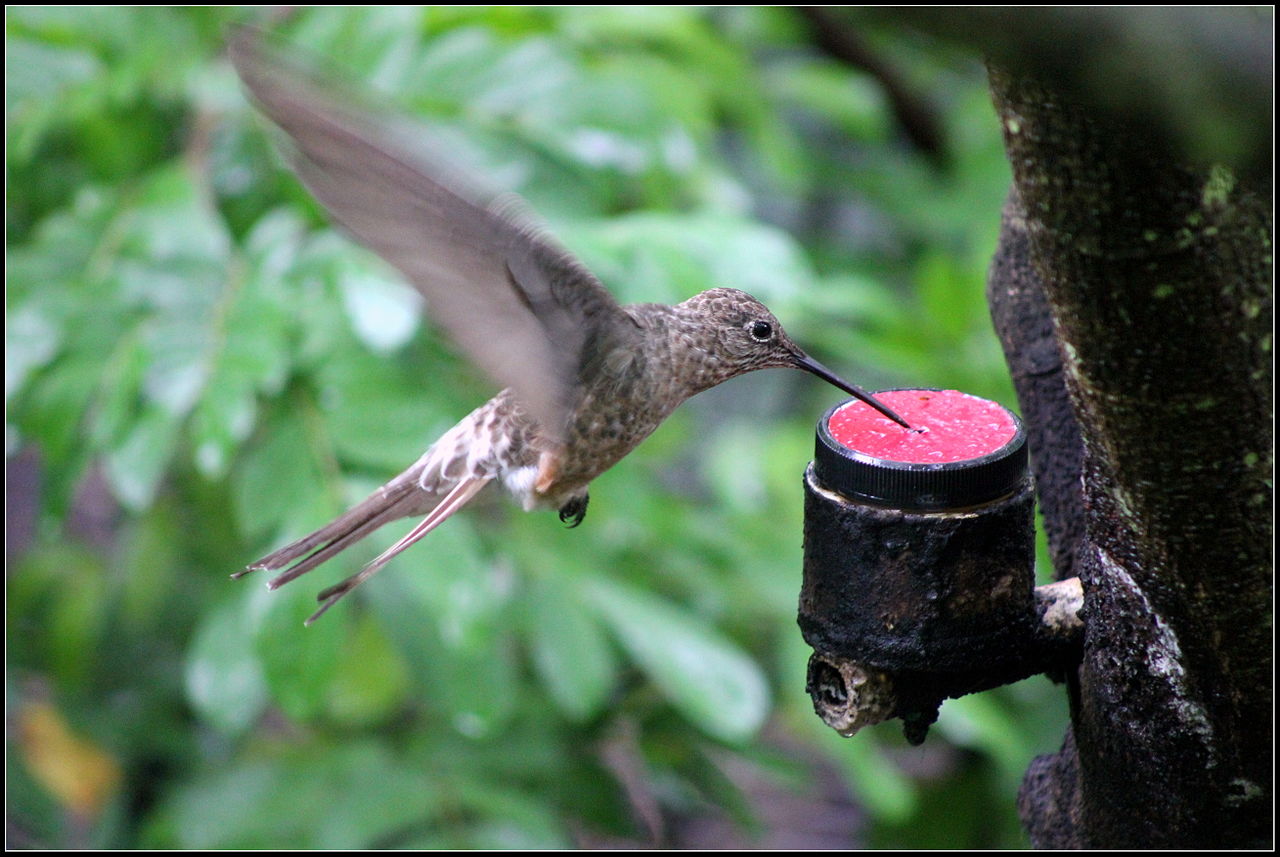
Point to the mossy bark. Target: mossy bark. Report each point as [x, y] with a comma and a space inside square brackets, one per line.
[1154, 278]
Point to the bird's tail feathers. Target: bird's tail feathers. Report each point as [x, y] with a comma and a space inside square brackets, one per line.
[427, 487]
[397, 499]
[453, 501]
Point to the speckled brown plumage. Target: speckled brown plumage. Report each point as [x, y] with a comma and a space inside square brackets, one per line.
[586, 379]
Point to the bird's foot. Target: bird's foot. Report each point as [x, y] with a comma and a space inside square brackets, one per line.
[574, 510]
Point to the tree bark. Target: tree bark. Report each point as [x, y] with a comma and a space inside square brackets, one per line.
[1155, 282]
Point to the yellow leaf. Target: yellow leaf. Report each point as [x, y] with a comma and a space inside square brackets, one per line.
[76, 771]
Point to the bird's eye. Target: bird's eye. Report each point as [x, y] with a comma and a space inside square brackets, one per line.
[761, 331]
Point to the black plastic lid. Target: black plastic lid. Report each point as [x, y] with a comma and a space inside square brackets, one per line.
[919, 487]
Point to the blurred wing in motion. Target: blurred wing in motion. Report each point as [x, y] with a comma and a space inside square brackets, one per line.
[521, 307]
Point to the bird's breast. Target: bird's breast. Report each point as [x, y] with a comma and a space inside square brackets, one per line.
[628, 394]
[607, 426]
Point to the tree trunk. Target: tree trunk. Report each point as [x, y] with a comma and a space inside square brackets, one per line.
[1154, 280]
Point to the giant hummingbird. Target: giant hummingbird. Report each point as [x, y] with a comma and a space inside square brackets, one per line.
[586, 379]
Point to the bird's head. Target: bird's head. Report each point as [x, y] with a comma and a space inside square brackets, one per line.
[740, 335]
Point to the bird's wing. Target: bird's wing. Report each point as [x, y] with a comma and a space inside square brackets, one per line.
[521, 307]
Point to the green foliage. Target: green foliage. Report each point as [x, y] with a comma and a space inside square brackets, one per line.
[190, 346]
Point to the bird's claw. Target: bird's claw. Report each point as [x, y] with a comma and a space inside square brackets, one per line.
[574, 511]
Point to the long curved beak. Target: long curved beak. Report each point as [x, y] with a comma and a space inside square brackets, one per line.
[808, 364]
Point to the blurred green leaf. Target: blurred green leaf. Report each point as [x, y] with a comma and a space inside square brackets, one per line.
[710, 680]
[345, 796]
[278, 481]
[885, 791]
[378, 416]
[251, 344]
[570, 651]
[668, 257]
[980, 721]
[510, 820]
[298, 662]
[63, 593]
[37, 74]
[448, 615]
[224, 679]
[371, 680]
[135, 466]
[385, 312]
[152, 560]
[31, 339]
[853, 102]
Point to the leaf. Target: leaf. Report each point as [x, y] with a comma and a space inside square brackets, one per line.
[57, 597]
[134, 467]
[224, 417]
[52, 412]
[377, 414]
[734, 467]
[943, 290]
[312, 298]
[371, 679]
[706, 677]
[36, 75]
[853, 102]
[381, 796]
[982, 721]
[82, 775]
[31, 339]
[446, 610]
[668, 257]
[153, 559]
[512, 821]
[469, 67]
[224, 679]
[298, 663]
[886, 792]
[116, 410]
[277, 486]
[344, 796]
[570, 651]
[251, 351]
[385, 312]
[173, 221]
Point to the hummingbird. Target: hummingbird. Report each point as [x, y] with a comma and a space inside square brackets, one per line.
[584, 378]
